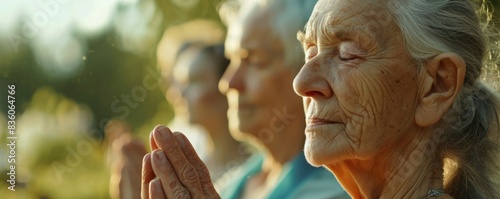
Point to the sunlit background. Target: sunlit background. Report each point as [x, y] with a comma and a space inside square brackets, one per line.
[76, 64]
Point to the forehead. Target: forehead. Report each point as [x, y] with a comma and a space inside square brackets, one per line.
[369, 19]
[252, 30]
[350, 8]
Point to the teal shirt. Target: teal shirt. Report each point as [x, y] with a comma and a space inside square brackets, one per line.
[298, 180]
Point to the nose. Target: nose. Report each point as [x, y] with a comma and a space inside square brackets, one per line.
[233, 78]
[312, 81]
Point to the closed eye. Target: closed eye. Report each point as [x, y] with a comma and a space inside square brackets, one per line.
[346, 56]
[349, 51]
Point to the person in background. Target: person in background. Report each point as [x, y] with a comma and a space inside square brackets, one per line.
[123, 157]
[174, 40]
[264, 109]
[196, 72]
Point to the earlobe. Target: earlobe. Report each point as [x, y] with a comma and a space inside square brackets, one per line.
[440, 82]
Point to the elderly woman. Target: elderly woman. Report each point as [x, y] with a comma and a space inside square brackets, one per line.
[394, 107]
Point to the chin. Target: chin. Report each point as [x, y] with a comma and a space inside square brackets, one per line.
[314, 156]
[320, 152]
[248, 124]
[240, 132]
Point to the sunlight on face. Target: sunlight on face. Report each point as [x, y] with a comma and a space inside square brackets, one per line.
[358, 85]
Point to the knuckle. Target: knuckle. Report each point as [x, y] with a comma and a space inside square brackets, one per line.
[203, 173]
[189, 175]
[182, 194]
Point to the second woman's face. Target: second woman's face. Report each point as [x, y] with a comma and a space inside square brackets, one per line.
[358, 84]
[197, 79]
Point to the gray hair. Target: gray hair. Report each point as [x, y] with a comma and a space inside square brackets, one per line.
[288, 17]
[470, 143]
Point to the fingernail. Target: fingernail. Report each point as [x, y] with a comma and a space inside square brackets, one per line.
[156, 185]
[180, 139]
[160, 156]
[164, 133]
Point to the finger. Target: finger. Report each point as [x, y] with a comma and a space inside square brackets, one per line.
[201, 168]
[172, 186]
[147, 176]
[156, 190]
[183, 169]
[152, 141]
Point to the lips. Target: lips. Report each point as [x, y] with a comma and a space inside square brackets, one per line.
[322, 126]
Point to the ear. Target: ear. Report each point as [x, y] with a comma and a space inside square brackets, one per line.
[440, 82]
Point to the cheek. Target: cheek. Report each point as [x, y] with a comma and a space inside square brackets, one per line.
[194, 95]
[261, 85]
[377, 93]
[359, 95]
[377, 105]
[360, 100]
[204, 95]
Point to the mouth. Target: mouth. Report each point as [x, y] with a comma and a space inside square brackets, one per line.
[316, 125]
[244, 109]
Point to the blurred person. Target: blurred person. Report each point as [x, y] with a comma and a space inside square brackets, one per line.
[194, 74]
[395, 106]
[197, 71]
[263, 107]
[174, 39]
[124, 157]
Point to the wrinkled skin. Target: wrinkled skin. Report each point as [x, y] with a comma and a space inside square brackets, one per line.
[370, 108]
[362, 84]
[173, 169]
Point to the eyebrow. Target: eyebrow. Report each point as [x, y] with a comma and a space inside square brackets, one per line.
[304, 36]
[301, 36]
[333, 32]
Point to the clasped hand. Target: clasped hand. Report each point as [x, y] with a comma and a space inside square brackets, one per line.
[173, 169]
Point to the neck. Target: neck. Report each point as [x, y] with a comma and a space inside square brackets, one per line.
[224, 152]
[408, 170]
[221, 145]
[276, 154]
[279, 148]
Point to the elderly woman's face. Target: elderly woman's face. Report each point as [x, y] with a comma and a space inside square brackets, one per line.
[261, 100]
[358, 84]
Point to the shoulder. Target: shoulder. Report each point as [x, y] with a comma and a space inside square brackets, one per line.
[232, 180]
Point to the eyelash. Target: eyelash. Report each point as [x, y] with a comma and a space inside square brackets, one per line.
[350, 57]
[310, 56]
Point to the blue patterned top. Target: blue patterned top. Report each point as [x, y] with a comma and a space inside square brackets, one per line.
[298, 180]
